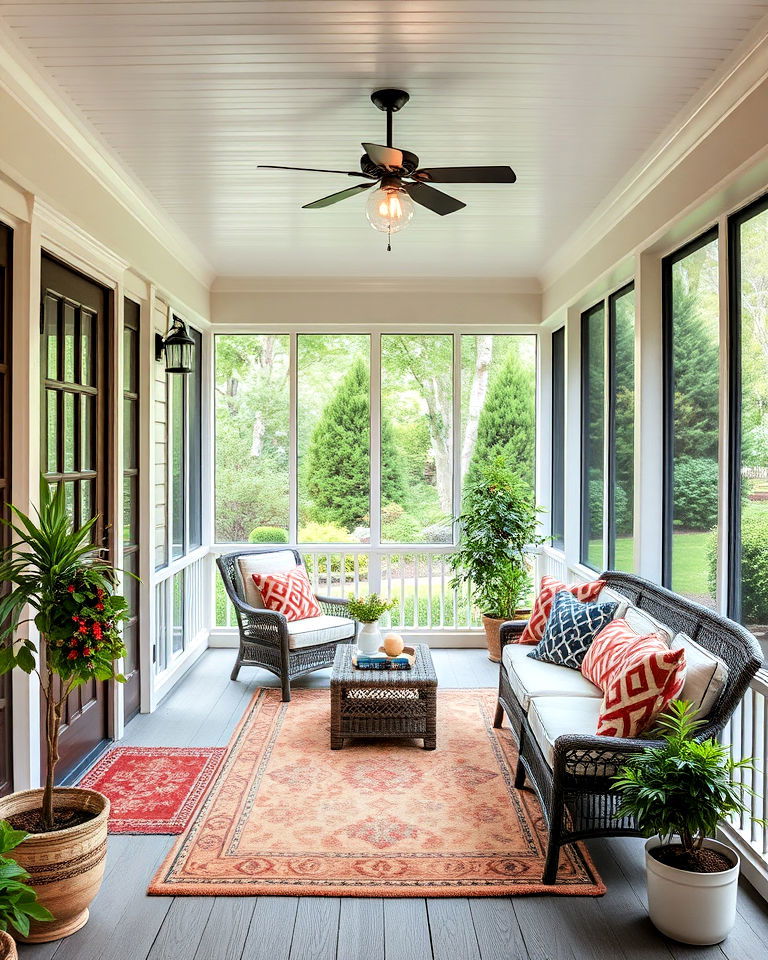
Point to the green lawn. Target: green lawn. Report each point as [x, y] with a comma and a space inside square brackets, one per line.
[690, 561]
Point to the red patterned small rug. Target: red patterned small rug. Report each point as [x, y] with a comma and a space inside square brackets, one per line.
[288, 816]
[153, 789]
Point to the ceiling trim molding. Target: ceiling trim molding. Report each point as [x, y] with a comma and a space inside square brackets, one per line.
[741, 74]
[496, 285]
[26, 84]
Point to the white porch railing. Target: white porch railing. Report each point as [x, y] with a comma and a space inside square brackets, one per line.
[182, 607]
[416, 576]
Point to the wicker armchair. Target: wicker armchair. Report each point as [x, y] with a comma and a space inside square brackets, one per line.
[576, 791]
[266, 638]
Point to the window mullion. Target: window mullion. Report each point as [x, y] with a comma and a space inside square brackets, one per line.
[374, 572]
[293, 446]
[456, 431]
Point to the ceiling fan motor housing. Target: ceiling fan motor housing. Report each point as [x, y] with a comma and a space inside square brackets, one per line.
[371, 169]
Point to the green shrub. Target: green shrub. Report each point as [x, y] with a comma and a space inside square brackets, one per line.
[268, 535]
[695, 493]
[754, 564]
[397, 526]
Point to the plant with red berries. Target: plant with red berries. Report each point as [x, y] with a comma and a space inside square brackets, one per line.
[56, 571]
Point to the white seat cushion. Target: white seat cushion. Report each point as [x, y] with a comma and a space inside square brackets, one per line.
[314, 630]
[535, 678]
[550, 717]
[277, 562]
[705, 675]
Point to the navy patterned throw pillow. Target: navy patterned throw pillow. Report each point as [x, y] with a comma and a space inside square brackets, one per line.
[571, 627]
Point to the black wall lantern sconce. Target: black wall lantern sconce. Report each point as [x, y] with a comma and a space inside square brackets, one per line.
[177, 346]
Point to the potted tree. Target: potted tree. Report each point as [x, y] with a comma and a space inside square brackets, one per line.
[368, 611]
[498, 525]
[678, 793]
[18, 902]
[56, 571]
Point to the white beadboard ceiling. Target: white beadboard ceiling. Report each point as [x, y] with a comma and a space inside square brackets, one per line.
[190, 95]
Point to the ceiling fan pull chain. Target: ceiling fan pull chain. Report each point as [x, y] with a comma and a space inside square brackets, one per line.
[389, 239]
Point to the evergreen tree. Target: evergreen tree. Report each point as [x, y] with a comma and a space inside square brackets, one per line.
[338, 463]
[507, 423]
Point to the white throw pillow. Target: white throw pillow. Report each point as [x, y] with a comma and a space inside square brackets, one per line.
[607, 595]
[643, 624]
[705, 674]
[277, 562]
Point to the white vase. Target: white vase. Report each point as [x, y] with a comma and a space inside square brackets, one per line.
[369, 637]
[697, 908]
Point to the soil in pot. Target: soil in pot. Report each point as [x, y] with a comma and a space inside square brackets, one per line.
[700, 861]
[31, 821]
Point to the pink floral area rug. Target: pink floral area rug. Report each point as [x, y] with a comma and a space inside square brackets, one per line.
[153, 789]
[288, 816]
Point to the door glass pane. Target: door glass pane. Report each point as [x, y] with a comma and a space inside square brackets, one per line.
[416, 438]
[87, 405]
[252, 442]
[130, 510]
[69, 432]
[623, 318]
[751, 587]
[69, 343]
[50, 361]
[130, 355]
[558, 438]
[334, 438]
[593, 441]
[52, 423]
[69, 499]
[87, 508]
[694, 322]
[87, 344]
[130, 451]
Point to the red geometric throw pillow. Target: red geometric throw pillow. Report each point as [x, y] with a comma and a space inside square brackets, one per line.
[542, 605]
[639, 677]
[289, 593]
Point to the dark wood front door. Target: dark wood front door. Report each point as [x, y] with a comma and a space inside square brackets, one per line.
[6, 252]
[131, 505]
[75, 450]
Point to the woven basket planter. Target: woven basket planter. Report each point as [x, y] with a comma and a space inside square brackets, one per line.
[7, 947]
[66, 866]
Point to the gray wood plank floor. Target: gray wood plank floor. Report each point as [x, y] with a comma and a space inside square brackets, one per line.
[202, 710]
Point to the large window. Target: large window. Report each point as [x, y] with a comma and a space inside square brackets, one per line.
[557, 524]
[748, 265]
[692, 378]
[621, 429]
[593, 434]
[439, 419]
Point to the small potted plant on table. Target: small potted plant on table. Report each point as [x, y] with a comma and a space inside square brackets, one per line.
[678, 793]
[56, 571]
[499, 524]
[368, 611]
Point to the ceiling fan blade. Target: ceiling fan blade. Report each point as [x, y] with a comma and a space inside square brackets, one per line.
[384, 156]
[432, 199]
[335, 197]
[346, 173]
[466, 175]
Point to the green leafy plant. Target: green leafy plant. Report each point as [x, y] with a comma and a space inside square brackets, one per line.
[498, 526]
[268, 535]
[683, 788]
[369, 609]
[55, 569]
[18, 902]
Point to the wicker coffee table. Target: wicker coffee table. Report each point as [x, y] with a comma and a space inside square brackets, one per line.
[398, 704]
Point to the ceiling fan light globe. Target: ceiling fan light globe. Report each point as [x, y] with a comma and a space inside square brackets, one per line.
[389, 209]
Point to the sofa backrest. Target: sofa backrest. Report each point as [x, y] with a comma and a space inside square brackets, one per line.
[725, 638]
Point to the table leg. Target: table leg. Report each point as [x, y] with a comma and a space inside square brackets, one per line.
[337, 741]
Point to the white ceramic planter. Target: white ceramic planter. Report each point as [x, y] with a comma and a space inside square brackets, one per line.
[697, 908]
[369, 637]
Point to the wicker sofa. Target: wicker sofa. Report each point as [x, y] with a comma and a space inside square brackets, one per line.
[553, 715]
[268, 639]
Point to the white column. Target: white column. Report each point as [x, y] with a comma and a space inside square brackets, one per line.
[649, 418]
[572, 498]
[725, 491]
[544, 427]
[374, 560]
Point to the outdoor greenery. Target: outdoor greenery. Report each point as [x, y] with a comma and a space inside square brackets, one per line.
[683, 788]
[18, 901]
[369, 609]
[497, 526]
[268, 535]
[55, 569]
[695, 491]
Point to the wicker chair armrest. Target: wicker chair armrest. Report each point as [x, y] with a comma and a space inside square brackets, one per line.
[252, 618]
[333, 606]
[511, 631]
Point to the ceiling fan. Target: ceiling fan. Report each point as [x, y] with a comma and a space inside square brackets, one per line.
[401, 182]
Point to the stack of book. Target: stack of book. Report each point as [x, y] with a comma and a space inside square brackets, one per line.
[380, 661]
